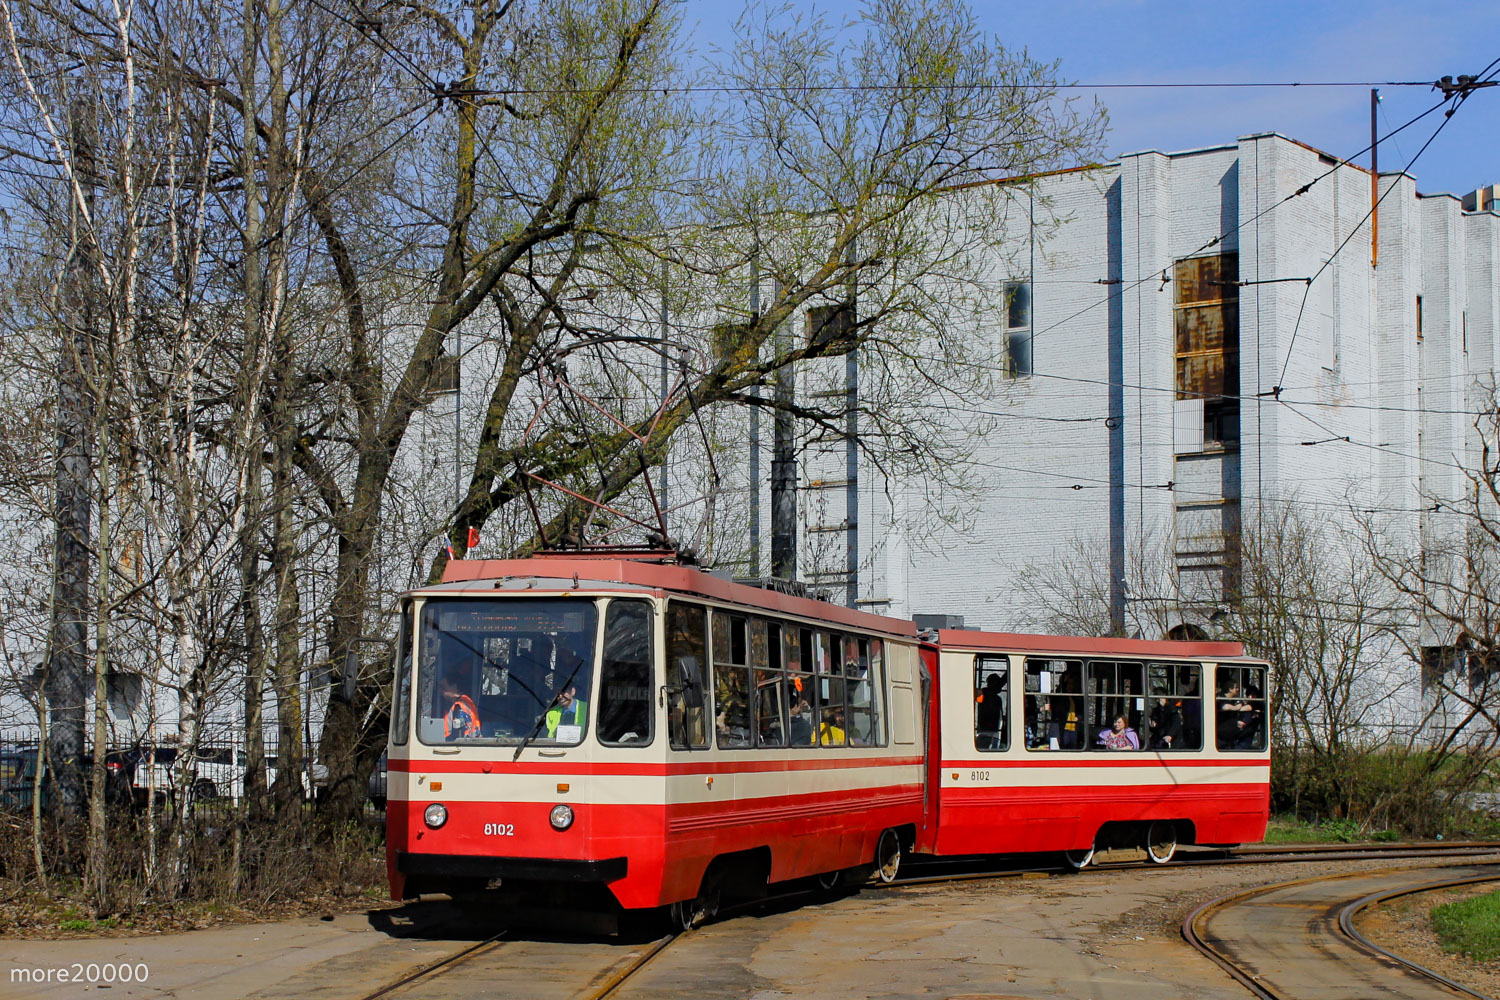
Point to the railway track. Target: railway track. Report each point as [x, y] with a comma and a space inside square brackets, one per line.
[476, 959]
[1289, 854]
[1298, 939]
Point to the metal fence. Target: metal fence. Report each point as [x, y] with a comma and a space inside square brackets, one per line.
[140, 773]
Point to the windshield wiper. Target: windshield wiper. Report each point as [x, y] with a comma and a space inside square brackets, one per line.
[537, 725]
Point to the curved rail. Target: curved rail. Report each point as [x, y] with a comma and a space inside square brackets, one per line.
[1348, 913]
[615, 979]
[1424, 982]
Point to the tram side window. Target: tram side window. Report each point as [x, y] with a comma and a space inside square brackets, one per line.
[832, 723]
[687, 642]
[862, 686]
[625, 677]
[1176, 706]
[1116, 704]
[1241, 708]
[801, 699]
[1054, 704]
[991, 702]
[875, 679]
[731, 681]
[401, 699]
[770, 702]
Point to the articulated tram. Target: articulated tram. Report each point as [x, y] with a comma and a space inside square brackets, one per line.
[626, 732]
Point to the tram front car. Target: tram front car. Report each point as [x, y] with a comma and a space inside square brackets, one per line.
[521, 741]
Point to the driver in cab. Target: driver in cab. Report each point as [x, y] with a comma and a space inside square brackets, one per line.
[461, 720]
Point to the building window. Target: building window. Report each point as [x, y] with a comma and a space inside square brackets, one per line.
[830, 325]
[1018, 328]
[1206, 316]
[444, 378]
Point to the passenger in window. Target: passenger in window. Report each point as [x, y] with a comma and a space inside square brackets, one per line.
[1235, 718]
[1120, 736]
[1067, 721]
[989, 714]
[1192, 712]
[800, 724]
[1249, 735]
[461, 720]
[831, 731]
[1166, 725]
[731, 727]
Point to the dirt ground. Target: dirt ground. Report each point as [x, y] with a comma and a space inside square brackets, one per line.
[1403, 926]
[1097, 934]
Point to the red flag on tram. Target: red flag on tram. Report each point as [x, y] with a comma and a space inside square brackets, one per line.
[473, 538]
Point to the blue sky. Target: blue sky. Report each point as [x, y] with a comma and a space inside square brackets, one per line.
[1134, 41]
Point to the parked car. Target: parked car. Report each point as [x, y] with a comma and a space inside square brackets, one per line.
[218, 772]
[18, 779]
[376, 785]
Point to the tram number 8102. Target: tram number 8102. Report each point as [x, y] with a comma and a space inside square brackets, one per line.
[979, 776]
[499, 829]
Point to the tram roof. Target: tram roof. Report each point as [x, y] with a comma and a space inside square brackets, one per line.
[1020, 642]
[570, 572]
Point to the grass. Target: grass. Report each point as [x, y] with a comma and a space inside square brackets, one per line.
[1291, 830]
[1470, 926]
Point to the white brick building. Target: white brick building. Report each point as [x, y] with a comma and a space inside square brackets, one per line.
[1125, 423]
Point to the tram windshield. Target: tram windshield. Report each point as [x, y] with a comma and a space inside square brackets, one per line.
[498, 672]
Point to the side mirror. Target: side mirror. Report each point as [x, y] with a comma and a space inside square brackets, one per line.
[351, 664]
[692, 681]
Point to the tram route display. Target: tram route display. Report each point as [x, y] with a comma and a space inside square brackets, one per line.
[647, 736]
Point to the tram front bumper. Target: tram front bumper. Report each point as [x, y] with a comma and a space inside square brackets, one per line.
[530, 869]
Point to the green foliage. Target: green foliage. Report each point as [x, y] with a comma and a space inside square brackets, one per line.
[1470, 926]
[1401, 793]
[1340, 831]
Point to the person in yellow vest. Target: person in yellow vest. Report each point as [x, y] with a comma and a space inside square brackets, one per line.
[461, 721]
[831, 730]
[567, 710]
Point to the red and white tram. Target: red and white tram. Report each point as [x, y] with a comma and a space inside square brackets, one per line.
[1022, 758]
[645, 727]
[622, 730]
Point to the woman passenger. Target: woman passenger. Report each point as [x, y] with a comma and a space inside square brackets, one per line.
[1120, 736]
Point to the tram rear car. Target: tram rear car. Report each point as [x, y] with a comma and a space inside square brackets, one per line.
[1028, 754]
[645, 733]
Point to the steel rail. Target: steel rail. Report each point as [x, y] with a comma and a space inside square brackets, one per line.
[1255, 855]
[441, 965]
[1348, 913]
[1192, 935]
[618, 977]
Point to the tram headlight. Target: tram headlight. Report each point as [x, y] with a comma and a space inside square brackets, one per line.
[436, 815]
[561, 817]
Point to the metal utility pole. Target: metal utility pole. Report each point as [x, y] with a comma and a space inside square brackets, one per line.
[68, 674]
[1374, 179]
[666, 507]
[851, 445]
[783, 472]
[754, 436]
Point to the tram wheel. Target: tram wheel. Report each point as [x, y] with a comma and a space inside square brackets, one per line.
[888, 857]
[1161, 841]
[828, 881]
[686, 914]
[1080, 859]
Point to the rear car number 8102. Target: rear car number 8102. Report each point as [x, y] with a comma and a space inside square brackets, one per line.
[499, 829]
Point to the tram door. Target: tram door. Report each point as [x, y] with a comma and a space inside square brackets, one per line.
[928, 713]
